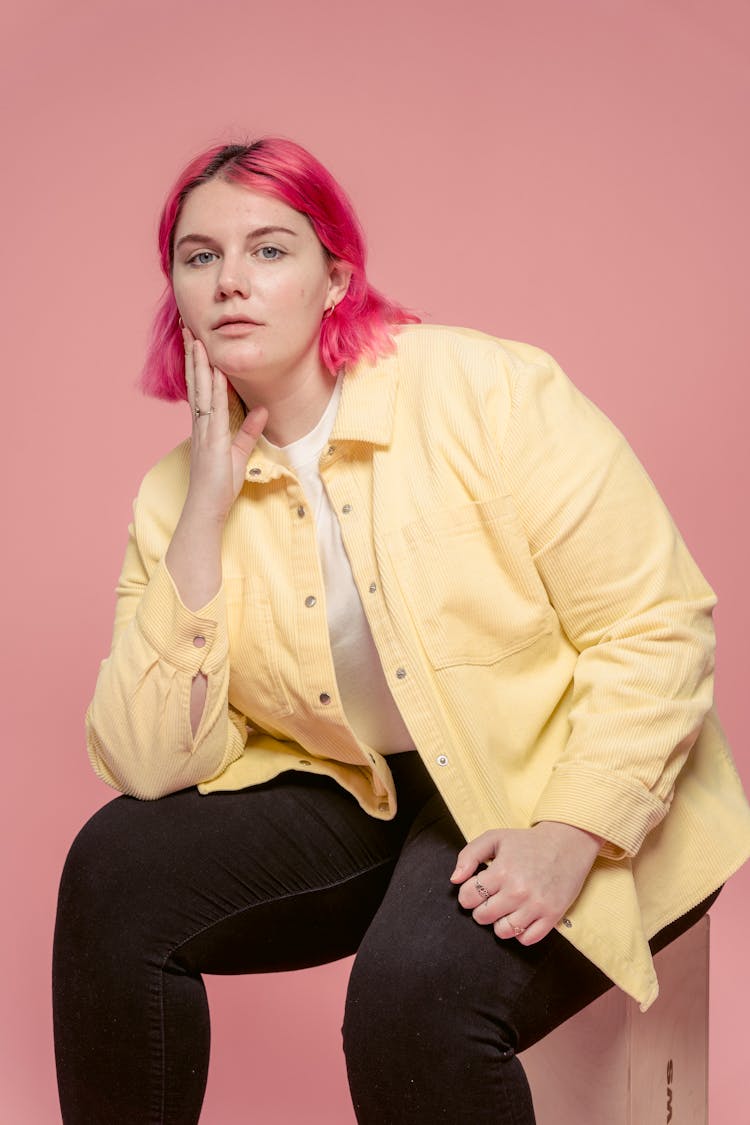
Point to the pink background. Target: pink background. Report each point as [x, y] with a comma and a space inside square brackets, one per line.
[572, 174]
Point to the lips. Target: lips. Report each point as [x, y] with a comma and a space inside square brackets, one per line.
[234, 320]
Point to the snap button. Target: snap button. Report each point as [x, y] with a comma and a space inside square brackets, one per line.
[331, 450]
[310, 601]
[346, 509]
[567, 922]
[255, 471]
[373, 587]
[401, 673]
[300, 511]
[199, 641]
[324, 697]
[304, 762]
[442, 760]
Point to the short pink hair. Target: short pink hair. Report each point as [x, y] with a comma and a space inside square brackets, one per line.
[364, 320]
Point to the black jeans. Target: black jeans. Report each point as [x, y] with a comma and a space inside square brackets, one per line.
[283, 876]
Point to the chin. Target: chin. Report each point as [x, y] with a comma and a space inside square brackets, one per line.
[236, 358]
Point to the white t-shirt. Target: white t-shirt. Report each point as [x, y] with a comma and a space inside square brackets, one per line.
[367, 701]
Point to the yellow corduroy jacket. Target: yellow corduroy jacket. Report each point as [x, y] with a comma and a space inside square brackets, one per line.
[545, 633]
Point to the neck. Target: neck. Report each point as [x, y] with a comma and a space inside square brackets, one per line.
[295, 406]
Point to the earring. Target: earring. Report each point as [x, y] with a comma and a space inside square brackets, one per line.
[328, 312]
[181, 323]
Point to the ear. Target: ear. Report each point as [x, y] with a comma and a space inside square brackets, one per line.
[339, 276]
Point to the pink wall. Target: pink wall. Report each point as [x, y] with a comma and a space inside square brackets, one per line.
[573, 174]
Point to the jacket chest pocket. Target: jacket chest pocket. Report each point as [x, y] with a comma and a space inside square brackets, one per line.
[470, 583]
[256, 686]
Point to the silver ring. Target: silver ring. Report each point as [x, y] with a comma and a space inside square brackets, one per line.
[482, 890]
[202, 413]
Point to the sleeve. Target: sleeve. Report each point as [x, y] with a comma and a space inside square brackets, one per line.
[138, 728]
[628, 596]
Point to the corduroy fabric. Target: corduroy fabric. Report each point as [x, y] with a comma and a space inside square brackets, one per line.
[544, 631]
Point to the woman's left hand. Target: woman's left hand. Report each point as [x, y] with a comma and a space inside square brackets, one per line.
[531, 878]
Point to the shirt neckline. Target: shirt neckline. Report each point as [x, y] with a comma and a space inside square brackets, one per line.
[307, 449]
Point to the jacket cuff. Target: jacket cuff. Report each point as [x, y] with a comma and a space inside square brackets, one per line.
[620, 810]
[191, 641]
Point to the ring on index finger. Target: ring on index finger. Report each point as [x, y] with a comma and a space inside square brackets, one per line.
[482, 890]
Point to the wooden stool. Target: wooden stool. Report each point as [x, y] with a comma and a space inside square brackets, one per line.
[615, 1065]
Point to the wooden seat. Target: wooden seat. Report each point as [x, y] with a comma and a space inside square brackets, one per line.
[615, 1065]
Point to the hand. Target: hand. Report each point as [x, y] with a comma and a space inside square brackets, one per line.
[531, 878]
[217, 462]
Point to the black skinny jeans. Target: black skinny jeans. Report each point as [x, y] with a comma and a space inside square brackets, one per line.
[283, 876]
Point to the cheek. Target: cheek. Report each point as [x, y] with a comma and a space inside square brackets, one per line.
[182, 300]
[193, 294]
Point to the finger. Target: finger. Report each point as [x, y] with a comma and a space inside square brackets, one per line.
[513, 925]
[187, 339]
[535, 932]
[203, 383]
[481, 850]
[483, 894]
[220, 397]
[251, 429]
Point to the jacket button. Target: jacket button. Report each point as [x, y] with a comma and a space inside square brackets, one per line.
[442, 760]
[300, 511]
[324, 698]
[373, 587]
[401, 673]
[346, 509]
[304, 762]
[310, 601]
[331, 450]
[199, 641]
[255, 471]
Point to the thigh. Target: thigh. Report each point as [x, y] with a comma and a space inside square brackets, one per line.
[280, 876]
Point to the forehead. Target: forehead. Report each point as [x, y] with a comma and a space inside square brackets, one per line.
[219, 206]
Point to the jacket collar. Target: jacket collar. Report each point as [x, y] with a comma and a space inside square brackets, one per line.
[368, 402]
[365, 414]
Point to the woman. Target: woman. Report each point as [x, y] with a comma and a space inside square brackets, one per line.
[409, 661]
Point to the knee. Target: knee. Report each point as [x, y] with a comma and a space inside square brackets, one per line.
[397, 995]
[424, 997]
[417, 1032]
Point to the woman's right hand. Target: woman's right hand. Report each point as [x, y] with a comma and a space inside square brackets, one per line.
[217, 462]
[217, 469]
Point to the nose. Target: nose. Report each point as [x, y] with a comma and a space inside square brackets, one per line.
[233, 279]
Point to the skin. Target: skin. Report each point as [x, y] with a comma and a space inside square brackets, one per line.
[228, 263]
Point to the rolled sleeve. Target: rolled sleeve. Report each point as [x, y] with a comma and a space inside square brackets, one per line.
[193, 641]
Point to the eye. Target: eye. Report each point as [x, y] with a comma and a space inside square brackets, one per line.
[202, 258]
[270, 253]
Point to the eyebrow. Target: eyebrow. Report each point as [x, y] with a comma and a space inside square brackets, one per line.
[259, 232]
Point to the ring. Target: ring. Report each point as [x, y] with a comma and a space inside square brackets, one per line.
[517, 930]
[202, 413]
[482, 890]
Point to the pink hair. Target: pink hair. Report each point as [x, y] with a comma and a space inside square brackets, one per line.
[363, 321]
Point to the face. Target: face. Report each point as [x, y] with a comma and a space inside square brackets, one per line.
[252, 282]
